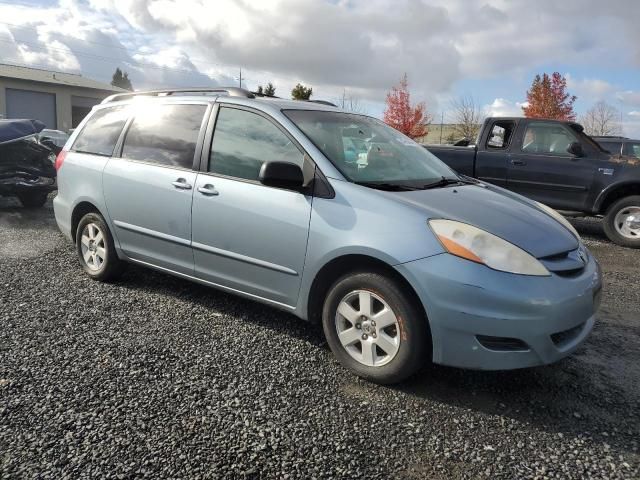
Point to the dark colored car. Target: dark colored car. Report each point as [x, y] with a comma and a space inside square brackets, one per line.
[26, 166]
[556, 163]
[620, 145]
[53, 139]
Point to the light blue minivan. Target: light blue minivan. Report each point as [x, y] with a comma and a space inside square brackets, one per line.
[332, 216]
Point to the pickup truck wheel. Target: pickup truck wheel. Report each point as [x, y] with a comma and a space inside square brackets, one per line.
[96, 250]
[33, 200]
[374, 328]
[622, 222]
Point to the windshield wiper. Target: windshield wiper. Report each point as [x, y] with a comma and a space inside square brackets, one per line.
[444, 181]
[391, 187]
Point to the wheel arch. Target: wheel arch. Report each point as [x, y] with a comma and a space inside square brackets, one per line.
[80, 210]
[615, 193]
[340, 266]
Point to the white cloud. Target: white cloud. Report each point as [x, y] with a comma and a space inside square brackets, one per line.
[593, 89]
[501, 107]
[361, 45]
[630, 98]
[634, 113]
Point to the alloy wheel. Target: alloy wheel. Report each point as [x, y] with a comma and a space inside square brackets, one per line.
[367, 328]
[92, 246]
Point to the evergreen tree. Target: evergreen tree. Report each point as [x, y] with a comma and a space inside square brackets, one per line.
[300, 92]
[270, 90]
[121, 79]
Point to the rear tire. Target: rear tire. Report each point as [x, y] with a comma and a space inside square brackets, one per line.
[622, 222]
[375, 328]
[33, 200]
[96, 250]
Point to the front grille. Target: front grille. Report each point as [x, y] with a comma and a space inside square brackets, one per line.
[566, 264]
[502, 344]
[566, 336]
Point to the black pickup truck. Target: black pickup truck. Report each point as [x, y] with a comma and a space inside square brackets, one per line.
[555, 163]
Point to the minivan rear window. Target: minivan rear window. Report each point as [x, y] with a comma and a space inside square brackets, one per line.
[164, 134]
[100, 134]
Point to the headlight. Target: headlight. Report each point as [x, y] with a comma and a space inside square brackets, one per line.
[553, 213]
[474, 244]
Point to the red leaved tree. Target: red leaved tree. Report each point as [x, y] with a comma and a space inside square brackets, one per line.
[400, 114]
[548, 98]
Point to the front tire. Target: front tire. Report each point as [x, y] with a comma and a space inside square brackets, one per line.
[622, 222]
[96, 250]
[375, 328]
[33, 199]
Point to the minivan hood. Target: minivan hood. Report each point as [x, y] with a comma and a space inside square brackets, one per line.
[497, 211]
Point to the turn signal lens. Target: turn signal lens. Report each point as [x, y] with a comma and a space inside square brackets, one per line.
[469, 242]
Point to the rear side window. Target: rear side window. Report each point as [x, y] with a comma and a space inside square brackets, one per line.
[101, 132]
[500, 135]
[243, 141]
[164, 135]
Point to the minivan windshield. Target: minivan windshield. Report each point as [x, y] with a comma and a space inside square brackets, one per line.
[369, 152]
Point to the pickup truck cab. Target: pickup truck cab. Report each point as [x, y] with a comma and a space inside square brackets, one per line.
[555, 163]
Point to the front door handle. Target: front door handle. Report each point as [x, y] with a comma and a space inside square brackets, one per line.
[182, 184]
[518, 162]
[208, 190]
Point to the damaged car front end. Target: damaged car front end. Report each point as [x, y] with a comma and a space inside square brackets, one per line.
[26, 166]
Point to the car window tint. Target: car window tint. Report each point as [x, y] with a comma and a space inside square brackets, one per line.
[633, 149]
[101, 132]
[500, 135]
[243, 141]
[547, 138]
[164, 134]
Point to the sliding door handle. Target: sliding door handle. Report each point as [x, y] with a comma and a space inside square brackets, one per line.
[182, 184]
[208, 190]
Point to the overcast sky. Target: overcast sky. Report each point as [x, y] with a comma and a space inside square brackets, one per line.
[490, 49]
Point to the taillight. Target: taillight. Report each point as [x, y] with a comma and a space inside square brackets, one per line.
[60, 159]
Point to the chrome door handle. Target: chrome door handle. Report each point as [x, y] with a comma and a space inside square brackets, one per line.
[208, 190]
[182, 184]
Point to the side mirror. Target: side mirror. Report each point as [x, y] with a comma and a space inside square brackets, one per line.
[281, 175]
[575, 148]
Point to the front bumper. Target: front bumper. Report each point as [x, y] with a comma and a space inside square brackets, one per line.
[489, 320]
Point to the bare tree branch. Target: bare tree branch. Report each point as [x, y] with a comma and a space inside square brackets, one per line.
[601, 119]
[350, 103]
[467, 116]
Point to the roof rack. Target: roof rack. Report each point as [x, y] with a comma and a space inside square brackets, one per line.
[231, 91]
[322, 102]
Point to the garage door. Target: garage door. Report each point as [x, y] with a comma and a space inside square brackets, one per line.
[34, 105]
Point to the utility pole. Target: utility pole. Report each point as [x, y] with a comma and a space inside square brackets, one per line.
[441, 125]
[621, 127]
[240, 77]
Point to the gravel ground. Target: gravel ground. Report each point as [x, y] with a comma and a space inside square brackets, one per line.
[158, 377]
